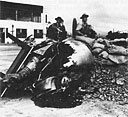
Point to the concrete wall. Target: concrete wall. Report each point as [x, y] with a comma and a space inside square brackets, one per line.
[30, 26]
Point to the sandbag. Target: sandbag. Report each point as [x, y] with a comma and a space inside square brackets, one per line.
[98, 45]
[118, 59]
[97, 51]
[117, 50]
[120, 42]
[104, 55]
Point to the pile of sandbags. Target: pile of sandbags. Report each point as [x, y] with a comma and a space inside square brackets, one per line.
[111, 52]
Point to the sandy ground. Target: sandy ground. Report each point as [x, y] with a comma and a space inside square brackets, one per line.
[24, 107]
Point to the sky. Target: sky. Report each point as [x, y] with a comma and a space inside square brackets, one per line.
[104, 15]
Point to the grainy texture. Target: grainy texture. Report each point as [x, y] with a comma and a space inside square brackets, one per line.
[102, 97]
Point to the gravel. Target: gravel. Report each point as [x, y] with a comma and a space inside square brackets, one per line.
[108, 83]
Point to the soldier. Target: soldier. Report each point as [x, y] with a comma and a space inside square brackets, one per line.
[57, 30]
[85, 29]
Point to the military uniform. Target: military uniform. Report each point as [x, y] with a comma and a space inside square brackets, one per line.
[57, 30]
[85, 29]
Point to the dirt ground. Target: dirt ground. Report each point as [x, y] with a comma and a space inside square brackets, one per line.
[24, 107]
[94, 108]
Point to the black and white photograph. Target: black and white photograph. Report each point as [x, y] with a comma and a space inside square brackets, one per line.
[63, 58]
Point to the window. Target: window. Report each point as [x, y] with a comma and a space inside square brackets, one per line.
[20, 12]
[23, 15]
[21, 33]
[38, 33]
[7, 15]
